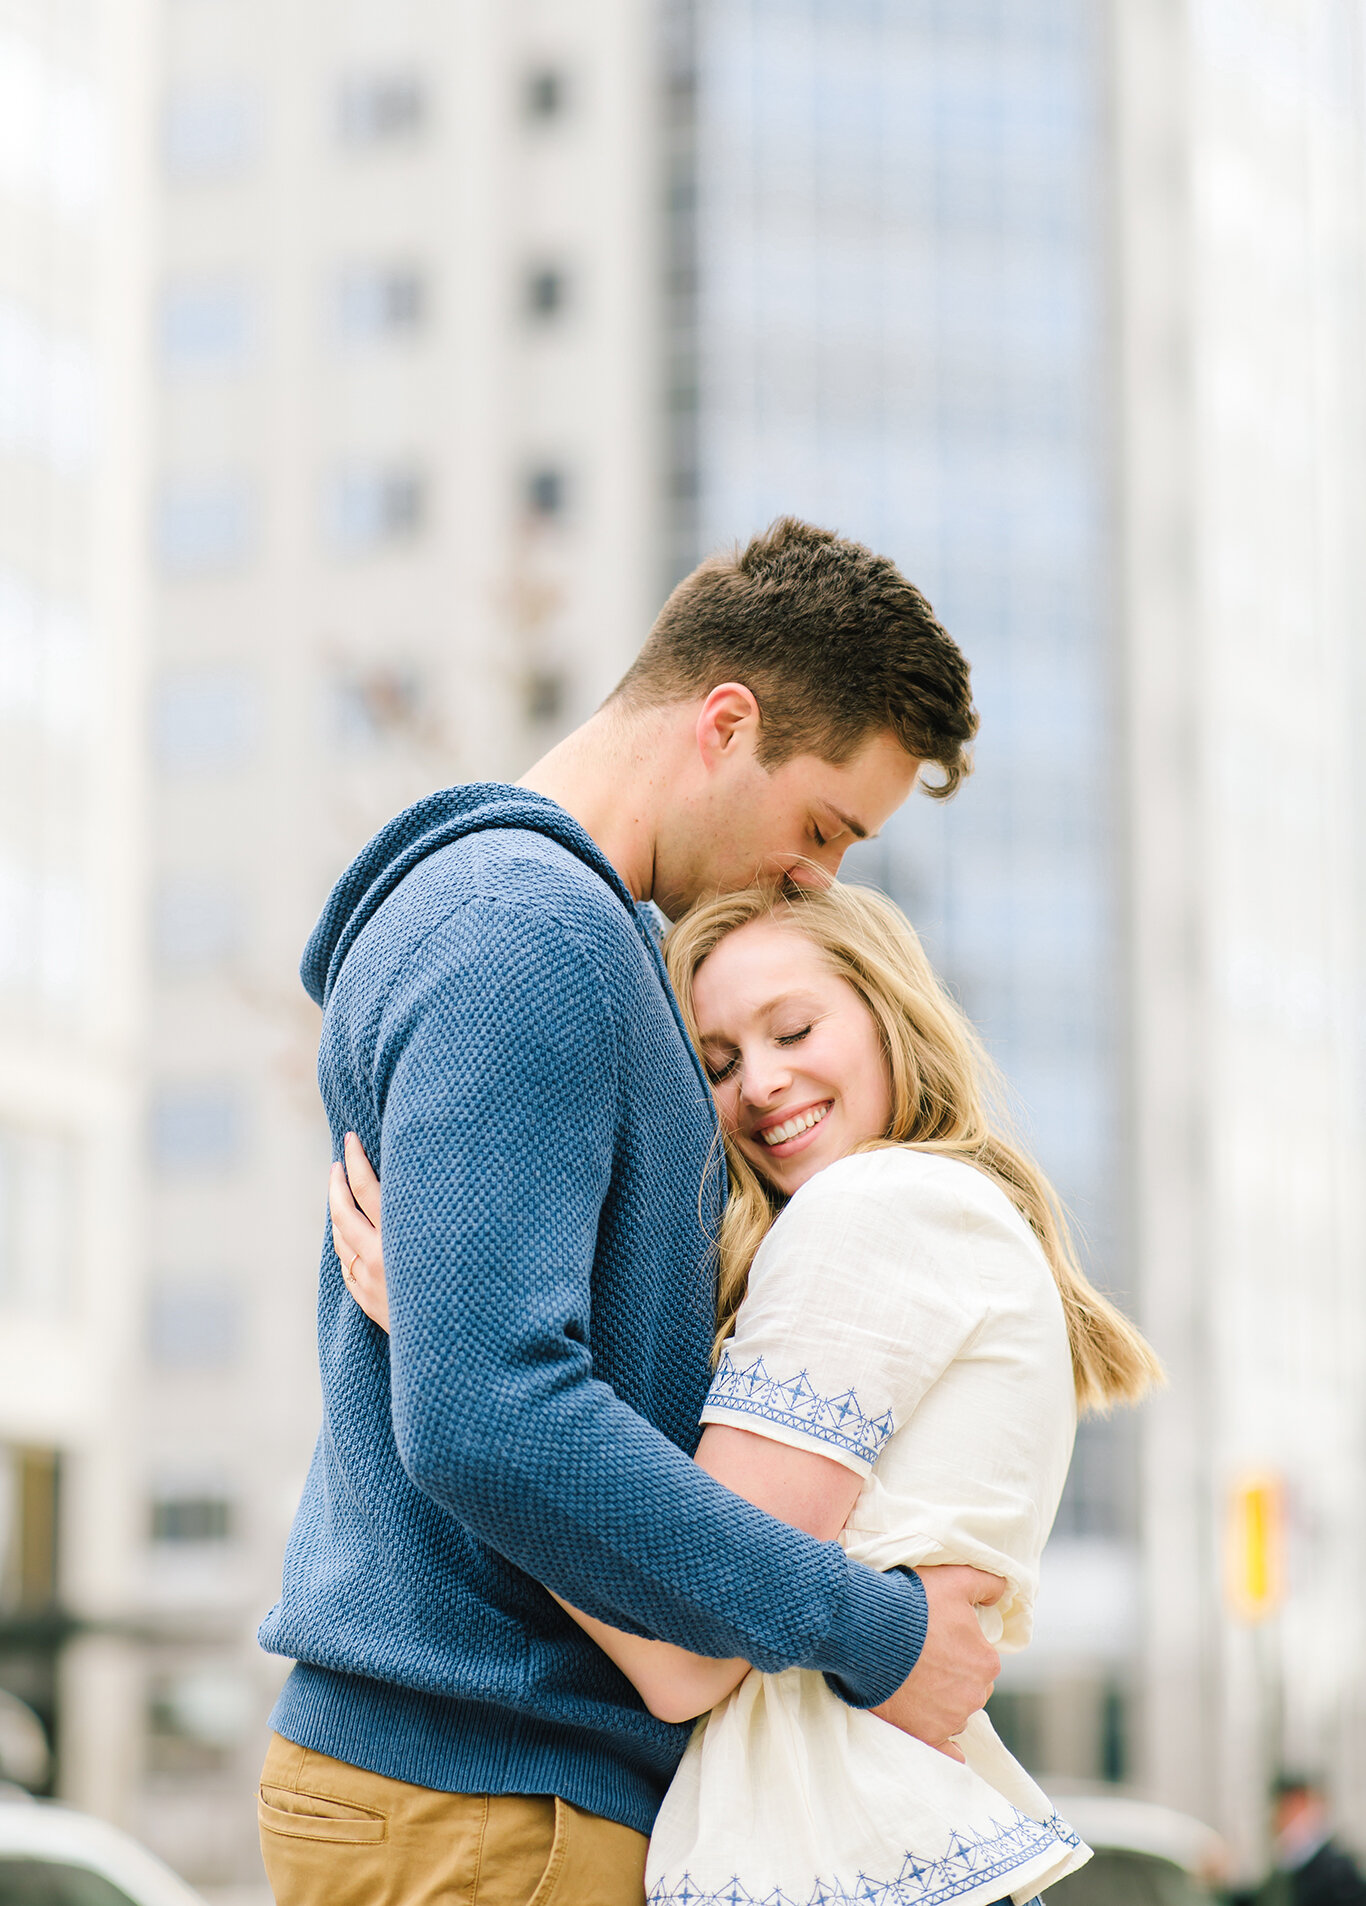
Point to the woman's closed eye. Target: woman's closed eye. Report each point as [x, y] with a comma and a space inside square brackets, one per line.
[719, 1070]
[793, 1038]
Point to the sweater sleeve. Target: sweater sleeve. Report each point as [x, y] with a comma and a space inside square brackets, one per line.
[496, 1086]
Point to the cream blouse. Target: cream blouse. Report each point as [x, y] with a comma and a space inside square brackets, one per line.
[900, 1318]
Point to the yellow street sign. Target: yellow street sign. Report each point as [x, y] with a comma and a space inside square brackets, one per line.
[1255, 1566]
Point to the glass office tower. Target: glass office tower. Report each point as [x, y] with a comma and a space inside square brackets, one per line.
[888, 315]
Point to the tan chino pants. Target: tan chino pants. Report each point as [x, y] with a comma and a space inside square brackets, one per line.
[335, 1835]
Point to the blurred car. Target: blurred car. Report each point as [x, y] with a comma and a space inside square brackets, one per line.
[53, 1856]
[1145, 1855]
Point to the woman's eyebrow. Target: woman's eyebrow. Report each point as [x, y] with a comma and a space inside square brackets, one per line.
[794, 998]
[797, 997]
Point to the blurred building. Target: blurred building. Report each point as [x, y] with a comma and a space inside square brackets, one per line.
[893, 317]
[71, 429]
[366, 375]
[327, 445]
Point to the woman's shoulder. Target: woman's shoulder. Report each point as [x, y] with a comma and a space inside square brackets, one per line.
[919, 1205]
[907, 1180]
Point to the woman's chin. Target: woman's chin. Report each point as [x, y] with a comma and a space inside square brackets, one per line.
[788, 1175]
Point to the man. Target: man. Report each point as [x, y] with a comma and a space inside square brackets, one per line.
[1311, 1868]
[499, 1032]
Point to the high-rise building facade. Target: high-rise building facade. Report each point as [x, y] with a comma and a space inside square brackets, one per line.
[71, 423]
[1240, 256]
[895, 321]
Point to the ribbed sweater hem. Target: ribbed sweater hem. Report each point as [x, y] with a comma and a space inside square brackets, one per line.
[455, 1746]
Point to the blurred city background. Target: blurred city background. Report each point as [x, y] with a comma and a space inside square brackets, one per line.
[369, 371]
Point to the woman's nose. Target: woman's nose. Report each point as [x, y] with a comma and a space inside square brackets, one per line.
[764, 1079]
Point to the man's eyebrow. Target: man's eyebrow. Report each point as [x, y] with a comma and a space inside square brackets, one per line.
[856, 828]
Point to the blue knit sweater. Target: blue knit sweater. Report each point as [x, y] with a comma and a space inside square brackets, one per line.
[498, 1029]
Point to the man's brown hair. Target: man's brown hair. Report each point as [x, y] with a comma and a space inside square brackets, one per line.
[832, 642]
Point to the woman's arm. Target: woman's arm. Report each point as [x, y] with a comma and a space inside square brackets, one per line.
[809, 1492]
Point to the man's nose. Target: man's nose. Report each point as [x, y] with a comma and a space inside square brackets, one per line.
[817, 872]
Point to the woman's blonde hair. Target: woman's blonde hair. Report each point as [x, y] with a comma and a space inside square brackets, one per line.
[943, 1089]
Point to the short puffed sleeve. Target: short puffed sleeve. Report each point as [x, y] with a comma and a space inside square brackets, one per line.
[859, 1298]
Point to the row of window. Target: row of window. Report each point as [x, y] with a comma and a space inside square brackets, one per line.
[42, 932]
[190, 1323]
[213, 324]
[208, 525]
[47, 390]
[39, 1203]
[44, 656]
[215, 131]
[205, 526]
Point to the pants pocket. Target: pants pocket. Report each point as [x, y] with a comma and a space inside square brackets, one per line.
[306, 1816]
[559, 1848]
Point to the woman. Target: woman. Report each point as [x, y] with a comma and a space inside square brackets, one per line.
[897, 1294]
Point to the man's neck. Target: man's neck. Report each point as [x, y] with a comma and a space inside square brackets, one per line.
[611, 775]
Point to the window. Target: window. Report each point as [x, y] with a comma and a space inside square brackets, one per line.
[545, 493]
[371, 304]
[544, 695]
[376, 109]
[194, 1326]
[546, 93]
[205, 326]
[40, 1195]
[42, 931]
[47, 385]
[196, 1128]
[204, 526]
[53, 145]
[371, 706]
[200, 1517]
[205, 722]
[368, 508]
[547, 291]
[196, 924]
[44, 657]
[210, 132]
[30, 1504]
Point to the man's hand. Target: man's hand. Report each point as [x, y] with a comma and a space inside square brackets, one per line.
[957, 1668]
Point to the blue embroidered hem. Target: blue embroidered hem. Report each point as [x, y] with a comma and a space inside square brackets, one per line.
[972, 1861]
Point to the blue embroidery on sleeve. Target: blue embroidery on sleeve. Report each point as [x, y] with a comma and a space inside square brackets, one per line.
[797, 1404]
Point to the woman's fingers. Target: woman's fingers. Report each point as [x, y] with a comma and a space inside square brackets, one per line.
[363, 1182]
[349, 1224]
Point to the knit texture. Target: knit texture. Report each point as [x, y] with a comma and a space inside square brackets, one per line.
[498, 1030]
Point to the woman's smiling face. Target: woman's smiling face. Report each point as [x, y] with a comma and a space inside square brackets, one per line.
[794, 1055]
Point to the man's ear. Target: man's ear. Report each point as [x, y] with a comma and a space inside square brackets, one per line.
[727, 721]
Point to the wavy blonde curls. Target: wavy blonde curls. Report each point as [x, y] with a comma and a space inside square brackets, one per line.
[944, 1088]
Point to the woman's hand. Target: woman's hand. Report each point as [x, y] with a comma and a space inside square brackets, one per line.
[353, 1197]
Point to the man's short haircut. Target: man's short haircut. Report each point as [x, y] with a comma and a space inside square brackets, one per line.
[832, 641]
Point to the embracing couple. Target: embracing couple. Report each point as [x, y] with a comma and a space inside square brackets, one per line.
[718, 1355]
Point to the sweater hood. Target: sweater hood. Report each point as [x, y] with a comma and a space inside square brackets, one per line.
[422, 830]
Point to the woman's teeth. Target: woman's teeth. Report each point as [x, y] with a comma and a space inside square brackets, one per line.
[779, 1134]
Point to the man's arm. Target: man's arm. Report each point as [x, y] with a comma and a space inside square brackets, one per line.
[801, 1488]
[496, 1086]
[816, 1494]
